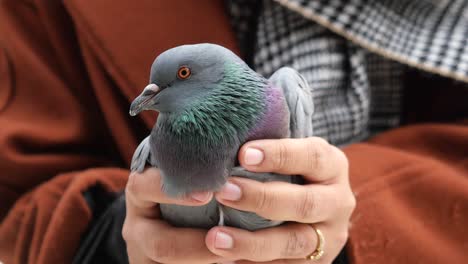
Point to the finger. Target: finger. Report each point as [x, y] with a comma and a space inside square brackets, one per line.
[312, 157]
[279, 261]
[285, 201]
[145, 189]
[289, 241]
[140, 260]
[143, 209]
[136, 257]
[163, 243]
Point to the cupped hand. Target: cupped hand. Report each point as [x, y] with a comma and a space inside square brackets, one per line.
[150, 239]
[324, 202]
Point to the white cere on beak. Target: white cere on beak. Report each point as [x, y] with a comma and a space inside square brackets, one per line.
[152, 87]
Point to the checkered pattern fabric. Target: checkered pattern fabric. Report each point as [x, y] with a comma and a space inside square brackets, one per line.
[428, 34]
[353, 53]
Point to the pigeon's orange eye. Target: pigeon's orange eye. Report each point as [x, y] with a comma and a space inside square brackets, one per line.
[184, 72]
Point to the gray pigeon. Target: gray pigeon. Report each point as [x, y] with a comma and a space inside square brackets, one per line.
[210, 103]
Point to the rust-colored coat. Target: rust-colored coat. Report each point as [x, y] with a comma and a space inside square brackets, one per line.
[68, 70]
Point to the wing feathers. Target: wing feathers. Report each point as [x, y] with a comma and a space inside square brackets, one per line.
[299, 99]
[141, 156]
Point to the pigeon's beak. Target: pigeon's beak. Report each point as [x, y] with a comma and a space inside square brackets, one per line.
[144, 99]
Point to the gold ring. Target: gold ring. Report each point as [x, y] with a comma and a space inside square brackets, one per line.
[318, 252]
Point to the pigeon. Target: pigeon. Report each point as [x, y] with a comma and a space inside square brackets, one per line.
[210, 102]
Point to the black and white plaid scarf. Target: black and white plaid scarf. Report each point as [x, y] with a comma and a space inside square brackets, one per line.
[354, 53]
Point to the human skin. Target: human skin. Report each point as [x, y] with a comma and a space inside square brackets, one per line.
[325, 201]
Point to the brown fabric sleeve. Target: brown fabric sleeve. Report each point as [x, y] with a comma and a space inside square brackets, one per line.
[45, 226]
[48, 122]
[411, 186]
[49, 126]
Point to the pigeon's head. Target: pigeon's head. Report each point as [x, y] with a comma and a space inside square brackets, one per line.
[183, 75]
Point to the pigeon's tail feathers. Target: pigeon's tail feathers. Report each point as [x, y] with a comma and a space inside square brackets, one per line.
[141, 156]
[299, 98]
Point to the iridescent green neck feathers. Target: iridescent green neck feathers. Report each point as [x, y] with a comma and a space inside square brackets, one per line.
[227, 111]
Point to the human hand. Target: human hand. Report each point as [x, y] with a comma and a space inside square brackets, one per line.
[150, 239]
[326, 201]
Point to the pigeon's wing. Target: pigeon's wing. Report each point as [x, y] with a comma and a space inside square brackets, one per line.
[141, 156]
[299, 99]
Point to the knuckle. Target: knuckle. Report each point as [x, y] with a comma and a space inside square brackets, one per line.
[351, 205]
[263, 200]
[348, 204]
[260, 200]
[161, 250]
[306, 207]
[318, 151]
[342, 159]
[258, 247]
[281, 158]
[126, 231]
[342, 238]
[131, 188]
[298, 244]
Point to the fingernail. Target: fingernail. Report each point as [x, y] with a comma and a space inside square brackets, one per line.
[201, 196]
[230, 192]
[253, 156]
[223, 240]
